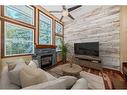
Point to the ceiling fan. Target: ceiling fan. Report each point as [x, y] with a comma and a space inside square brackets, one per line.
[66, 12]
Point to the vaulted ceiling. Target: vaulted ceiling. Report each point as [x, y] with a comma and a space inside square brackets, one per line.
[74, 13]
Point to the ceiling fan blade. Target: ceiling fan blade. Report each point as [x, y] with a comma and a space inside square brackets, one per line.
[71, 16]
[55, 11]
[61, 18]
[73, 8]
[64, 7]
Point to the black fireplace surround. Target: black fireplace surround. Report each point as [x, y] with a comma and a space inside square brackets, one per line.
[46, 56]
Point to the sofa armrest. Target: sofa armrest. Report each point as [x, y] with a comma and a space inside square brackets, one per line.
[54, 84]
[64, 82]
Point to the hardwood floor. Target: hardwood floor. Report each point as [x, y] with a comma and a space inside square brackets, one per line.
[115, 80]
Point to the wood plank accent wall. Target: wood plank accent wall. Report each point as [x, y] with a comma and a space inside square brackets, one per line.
[101, 24]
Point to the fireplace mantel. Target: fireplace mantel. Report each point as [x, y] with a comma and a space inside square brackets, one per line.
[46, 46]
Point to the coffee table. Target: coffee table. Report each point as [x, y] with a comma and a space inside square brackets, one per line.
[73, 71]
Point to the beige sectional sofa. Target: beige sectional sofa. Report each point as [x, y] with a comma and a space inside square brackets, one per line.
[64, 82]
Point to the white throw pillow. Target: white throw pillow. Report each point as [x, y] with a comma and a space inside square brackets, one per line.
[31, 76]
[36, 62]
[80, 84]
[54, 84]
[70, 80]
[14, 74]
[32, 64]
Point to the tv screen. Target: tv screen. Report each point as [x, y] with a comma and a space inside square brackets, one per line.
[90, 48]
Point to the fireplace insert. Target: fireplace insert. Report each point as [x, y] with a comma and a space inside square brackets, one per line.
[46, 61]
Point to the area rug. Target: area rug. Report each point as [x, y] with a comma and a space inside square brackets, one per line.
[94, 81]
[105, 82]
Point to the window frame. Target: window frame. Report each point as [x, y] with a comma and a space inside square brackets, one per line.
[56, 44]
[61, 33]
[45, 45]
[58, 34]
[33, 23]
[5, 39]
[16, 22]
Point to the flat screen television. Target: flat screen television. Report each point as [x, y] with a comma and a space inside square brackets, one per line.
[89, 48]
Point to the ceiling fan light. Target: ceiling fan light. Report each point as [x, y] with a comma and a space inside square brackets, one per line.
[65, 13]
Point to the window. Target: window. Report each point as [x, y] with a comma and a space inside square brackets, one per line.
[58, 43]
[21, 13]
[59, 28]
[45, 29]
[18, 30]
[19, 24]
[59, 36]
[18, 40]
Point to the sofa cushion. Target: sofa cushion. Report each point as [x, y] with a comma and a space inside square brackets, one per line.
[70, 80]
[14, 74]
[31, 76]
[54, 84]
[80, 84]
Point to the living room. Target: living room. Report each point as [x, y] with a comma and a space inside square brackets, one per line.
[63, 47]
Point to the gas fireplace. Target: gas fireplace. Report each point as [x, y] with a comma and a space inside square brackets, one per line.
[46, 56]
[46, 61]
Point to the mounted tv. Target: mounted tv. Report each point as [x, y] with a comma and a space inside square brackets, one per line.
[89, 48]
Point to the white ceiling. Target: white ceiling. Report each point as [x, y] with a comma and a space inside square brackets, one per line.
[74, 13]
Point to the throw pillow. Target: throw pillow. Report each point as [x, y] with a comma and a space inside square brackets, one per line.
[11, 66]
[70, 80]
[14, 74]
[36, 62]
[80, 84]
[31, 76]
[32, 64]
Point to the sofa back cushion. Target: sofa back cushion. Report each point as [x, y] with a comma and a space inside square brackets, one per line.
[31, 76]
[13, 63]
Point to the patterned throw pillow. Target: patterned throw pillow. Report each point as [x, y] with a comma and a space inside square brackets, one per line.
[31, 76]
